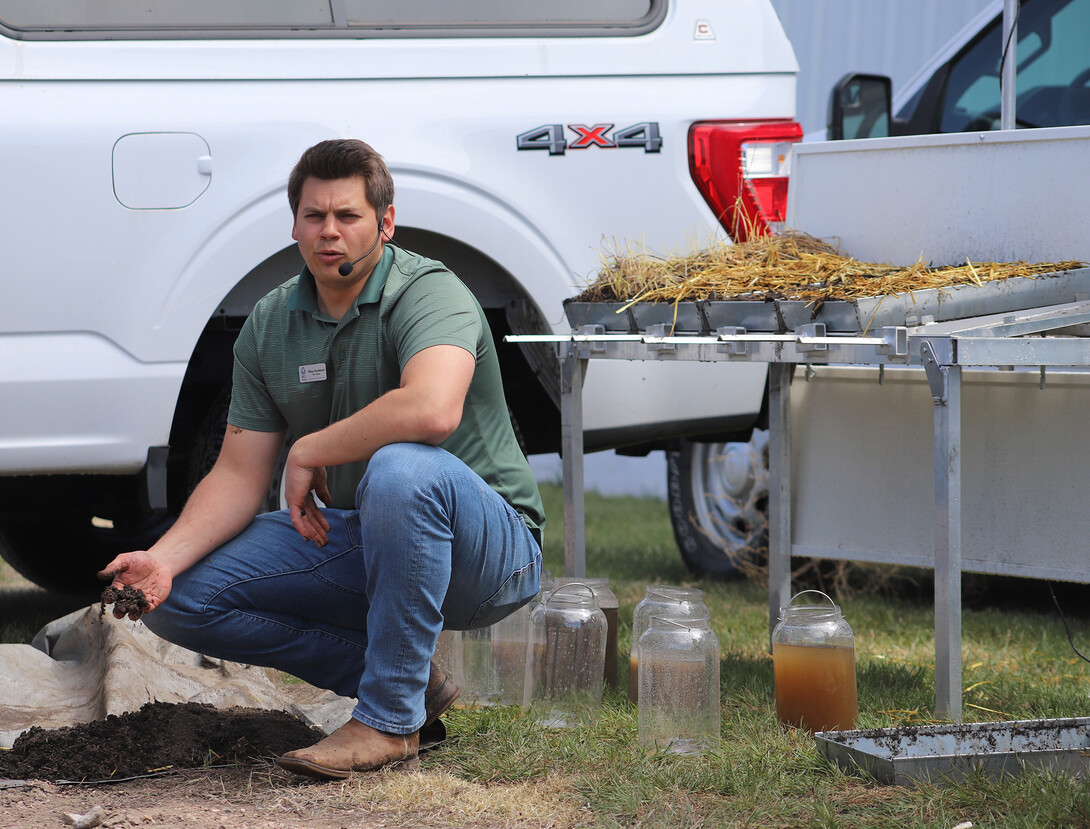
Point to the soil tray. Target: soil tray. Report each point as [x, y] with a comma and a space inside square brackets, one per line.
[1016, 293]
[902, 756]
[839, 316]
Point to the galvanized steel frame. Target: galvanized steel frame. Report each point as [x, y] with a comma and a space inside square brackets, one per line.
[1043, 337]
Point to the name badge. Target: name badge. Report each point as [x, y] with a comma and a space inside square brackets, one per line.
[314, 373]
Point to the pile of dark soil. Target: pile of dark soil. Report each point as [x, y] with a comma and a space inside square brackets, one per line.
[157, 738]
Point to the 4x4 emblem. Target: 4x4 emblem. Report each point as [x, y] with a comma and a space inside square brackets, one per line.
[551, 137]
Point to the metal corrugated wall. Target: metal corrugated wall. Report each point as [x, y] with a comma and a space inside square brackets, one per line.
[889, 37]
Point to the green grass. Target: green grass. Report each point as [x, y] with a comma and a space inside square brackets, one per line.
[1018, 665]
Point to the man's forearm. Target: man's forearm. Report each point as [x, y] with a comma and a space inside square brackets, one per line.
[219, 509]
[427, 408]
[391, 418]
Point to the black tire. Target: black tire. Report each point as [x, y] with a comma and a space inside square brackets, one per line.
[63, 550]
[718, 494]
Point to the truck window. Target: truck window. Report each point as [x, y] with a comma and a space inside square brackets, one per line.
[443, 12]
[112, 19]
[1053, 67]
[46, 15]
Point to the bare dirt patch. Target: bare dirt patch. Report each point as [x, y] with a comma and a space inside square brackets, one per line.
[267, 797]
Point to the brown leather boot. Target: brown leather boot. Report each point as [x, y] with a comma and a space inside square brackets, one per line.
[353, 747]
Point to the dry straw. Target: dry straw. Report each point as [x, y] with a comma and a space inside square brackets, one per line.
[794, 266]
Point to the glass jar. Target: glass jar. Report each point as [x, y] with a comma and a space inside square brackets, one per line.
[568, 647]
[474, 672]
[510, 653]
[679, 686]
[444, 653]
[488, 664]
[609, 605]
[660, 600]
[813, 661]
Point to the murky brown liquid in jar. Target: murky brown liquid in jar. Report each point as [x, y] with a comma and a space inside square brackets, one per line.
[815, 687]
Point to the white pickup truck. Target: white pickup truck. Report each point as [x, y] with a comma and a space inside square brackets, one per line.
[145, 151]
[1019, 192]
[976, 194]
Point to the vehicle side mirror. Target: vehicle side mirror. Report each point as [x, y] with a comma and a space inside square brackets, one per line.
[859, 107]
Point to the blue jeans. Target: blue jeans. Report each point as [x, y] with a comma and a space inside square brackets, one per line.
[430, 545]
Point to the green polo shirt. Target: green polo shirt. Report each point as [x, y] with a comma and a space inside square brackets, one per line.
[301, 370]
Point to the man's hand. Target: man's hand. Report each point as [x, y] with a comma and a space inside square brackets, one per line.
[142, 571]
[301, 484]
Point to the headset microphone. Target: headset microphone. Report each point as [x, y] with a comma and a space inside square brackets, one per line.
[346, 267]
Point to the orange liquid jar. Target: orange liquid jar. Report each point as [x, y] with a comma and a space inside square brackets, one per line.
[813, 661]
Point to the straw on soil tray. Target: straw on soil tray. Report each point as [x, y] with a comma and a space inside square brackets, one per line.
[792, 266]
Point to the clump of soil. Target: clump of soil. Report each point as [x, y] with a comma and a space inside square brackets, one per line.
[157, 738]
[128, 599]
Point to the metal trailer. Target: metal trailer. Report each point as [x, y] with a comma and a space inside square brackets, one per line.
[1037, 338]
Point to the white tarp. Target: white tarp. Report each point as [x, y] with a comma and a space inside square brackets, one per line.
[86, 666]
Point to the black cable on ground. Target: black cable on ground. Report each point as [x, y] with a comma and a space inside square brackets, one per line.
[1063, 619]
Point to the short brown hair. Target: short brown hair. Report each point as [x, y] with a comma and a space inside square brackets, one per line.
[343, 158]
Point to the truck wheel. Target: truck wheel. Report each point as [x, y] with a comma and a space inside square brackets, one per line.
[718, 495]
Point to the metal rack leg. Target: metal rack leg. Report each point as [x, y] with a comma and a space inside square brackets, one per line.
[572, 370]
[779, 489]
[945, 383]
[948, 548]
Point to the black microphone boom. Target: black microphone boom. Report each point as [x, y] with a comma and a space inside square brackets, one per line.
[346, 267]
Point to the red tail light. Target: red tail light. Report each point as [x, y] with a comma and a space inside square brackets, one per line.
[741, 168]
